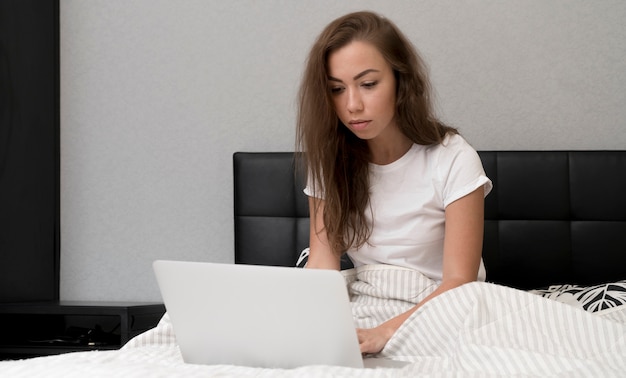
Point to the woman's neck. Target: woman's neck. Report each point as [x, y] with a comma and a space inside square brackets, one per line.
[386, 152]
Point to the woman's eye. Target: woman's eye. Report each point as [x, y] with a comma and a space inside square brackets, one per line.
[369, 84]
[336, 90]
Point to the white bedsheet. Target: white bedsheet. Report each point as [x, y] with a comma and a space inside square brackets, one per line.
[479, 329]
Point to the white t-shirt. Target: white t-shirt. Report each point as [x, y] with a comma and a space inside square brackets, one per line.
[408, 199]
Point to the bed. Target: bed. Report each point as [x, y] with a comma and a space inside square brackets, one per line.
[554, 303]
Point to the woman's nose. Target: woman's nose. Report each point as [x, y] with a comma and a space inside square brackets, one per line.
[355, 103]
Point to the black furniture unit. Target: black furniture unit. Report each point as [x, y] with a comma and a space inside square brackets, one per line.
[46, 328]
[29, 150]
[553, 217]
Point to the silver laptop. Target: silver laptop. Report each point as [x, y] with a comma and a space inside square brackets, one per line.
[259, 316]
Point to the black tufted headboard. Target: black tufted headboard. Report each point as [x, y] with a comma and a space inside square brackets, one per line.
[553, 217]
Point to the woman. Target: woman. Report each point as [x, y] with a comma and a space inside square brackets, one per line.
[388, 182]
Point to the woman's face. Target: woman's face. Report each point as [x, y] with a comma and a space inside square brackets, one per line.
[363, 89]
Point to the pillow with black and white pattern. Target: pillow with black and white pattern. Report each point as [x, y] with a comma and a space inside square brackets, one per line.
[303, 259]
[590, 298]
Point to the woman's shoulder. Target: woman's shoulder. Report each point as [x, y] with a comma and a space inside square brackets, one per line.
[454, 141]
[454, 150]
[450, 145]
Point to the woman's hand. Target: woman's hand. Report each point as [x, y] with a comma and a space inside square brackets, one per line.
[373, 340]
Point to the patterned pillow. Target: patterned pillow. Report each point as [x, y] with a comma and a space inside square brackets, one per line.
[303, 259]
[590, 298]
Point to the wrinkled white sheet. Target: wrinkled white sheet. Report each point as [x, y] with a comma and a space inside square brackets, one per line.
[478, 329]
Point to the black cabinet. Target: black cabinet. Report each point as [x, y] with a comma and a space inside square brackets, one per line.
[46, 328]
[29, 150]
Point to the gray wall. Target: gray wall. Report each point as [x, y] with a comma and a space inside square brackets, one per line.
[156, 95]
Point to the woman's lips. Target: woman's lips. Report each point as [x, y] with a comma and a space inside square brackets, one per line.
[359, 124]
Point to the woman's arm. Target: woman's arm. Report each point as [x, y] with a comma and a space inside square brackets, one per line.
[462, 251]
[321, 256]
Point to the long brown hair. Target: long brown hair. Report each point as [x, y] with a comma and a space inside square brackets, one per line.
[337, 160]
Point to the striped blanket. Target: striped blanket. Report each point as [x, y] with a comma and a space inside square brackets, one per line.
[478, 329]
